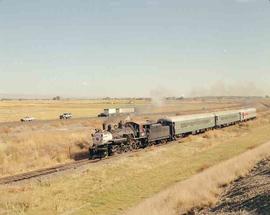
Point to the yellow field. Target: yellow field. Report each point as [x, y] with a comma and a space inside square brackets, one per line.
[113, 186]
[48, 109]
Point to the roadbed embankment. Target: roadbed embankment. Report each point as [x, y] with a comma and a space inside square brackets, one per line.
[247, 195]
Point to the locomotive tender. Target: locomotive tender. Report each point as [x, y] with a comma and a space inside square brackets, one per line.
[134, 135]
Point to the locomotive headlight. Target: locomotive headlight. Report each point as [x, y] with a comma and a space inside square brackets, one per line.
[97, 138]
[102, 138]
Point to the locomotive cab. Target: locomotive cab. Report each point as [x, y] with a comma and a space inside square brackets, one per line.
[138, 129]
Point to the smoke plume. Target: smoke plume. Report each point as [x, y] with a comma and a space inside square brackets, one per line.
[220, 88]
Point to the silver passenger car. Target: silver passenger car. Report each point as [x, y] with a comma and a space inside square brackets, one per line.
[189, 123]
[226, 118]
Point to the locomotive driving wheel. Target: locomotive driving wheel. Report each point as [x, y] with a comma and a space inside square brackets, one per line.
[134, 144]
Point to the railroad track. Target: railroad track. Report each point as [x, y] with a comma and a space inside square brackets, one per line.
[55, 169]
[45, 171]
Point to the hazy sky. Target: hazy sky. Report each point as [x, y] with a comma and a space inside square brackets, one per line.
[95, 48]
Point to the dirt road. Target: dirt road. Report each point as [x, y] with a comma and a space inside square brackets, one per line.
[248, 195]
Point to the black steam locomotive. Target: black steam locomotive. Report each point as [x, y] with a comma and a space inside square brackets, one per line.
[127, 137]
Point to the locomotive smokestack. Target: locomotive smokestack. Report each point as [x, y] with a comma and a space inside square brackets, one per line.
[120, 124]
[109, 127]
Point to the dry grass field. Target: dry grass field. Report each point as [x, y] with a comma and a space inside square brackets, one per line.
[26, 147]
[113, 186]
[30, 146]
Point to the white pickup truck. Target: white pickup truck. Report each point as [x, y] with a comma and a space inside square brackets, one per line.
[65, 116]
[27, 119]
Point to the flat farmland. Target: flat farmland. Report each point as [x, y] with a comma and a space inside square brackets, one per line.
[48, 109]
[14, 110]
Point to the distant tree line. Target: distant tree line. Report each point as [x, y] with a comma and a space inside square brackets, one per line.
[174, 98]
[56, 98]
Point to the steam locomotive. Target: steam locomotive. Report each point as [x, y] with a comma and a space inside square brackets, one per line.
[127, 137]
[134, 135]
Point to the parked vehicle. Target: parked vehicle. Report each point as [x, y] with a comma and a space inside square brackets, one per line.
[108, 112]
[133, 135]
[65, 116]
[27, 119]
[103, 115]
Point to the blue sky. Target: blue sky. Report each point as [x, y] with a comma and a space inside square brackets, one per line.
[93, 48]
